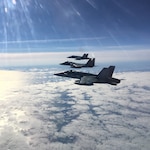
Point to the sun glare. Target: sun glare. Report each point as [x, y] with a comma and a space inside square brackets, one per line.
[9, 82]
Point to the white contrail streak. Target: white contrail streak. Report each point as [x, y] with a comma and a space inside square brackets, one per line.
[53, 40]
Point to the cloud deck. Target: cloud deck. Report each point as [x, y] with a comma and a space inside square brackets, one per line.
[43, 114]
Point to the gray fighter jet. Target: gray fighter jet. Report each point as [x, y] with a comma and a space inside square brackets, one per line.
[105, 76]
[84, 56]
[90, 63]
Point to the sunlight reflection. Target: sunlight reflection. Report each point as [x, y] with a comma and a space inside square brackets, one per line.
[9, 82]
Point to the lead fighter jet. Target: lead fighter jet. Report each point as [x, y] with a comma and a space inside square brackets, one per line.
[105, 76]
[90, 63]
[84, 56]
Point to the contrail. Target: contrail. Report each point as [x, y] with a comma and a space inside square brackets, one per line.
[53, 40]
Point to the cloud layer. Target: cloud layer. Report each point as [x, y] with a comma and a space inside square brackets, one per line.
[48, 112]
[47, 58]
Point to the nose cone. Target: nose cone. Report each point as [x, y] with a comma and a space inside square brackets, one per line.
[59, 74]
[62, 74]
[65, 63]
[65, 74]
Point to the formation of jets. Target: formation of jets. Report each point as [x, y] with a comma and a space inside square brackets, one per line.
[104, 76]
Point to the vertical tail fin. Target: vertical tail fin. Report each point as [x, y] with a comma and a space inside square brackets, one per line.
[91, 62]
[106, 72]
[111, 71]
[85, 55]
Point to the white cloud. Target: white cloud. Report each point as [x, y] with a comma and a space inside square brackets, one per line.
[11, 140]
[46, 115]
[50, 58]
[122, 55]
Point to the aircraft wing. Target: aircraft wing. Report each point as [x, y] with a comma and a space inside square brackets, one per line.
[86, 80]
[74, 65]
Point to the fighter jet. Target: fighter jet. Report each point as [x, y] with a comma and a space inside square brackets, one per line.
[105, 76]
[90, 63]
[84, 56]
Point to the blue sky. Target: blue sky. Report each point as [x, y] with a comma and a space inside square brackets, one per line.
[41, 25]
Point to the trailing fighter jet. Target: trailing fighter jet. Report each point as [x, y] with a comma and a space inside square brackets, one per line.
[90, 63]
[105, 76]
[84, 56]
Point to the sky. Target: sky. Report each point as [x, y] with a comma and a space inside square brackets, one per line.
[41, 111]
[66, 25]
